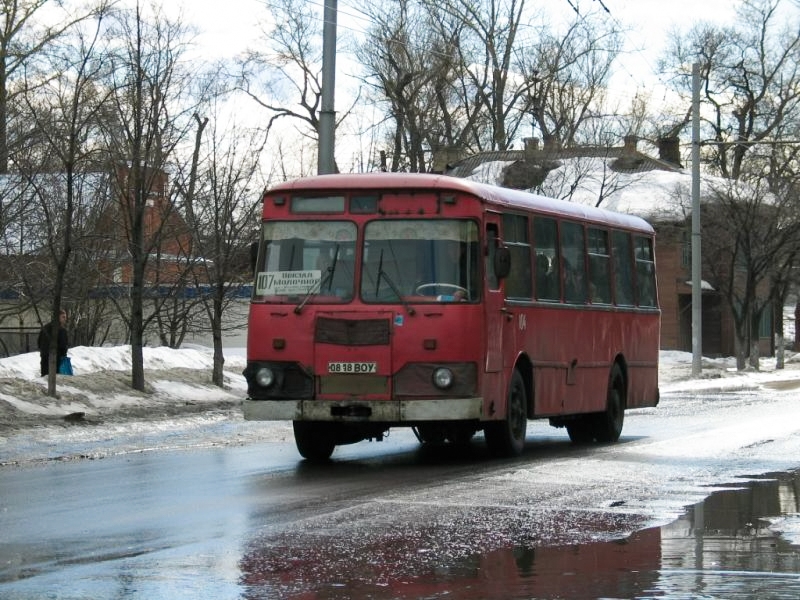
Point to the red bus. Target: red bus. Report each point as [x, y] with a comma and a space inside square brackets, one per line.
[384, 299]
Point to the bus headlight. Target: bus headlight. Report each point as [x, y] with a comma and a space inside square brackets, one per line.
[265, 377]
[442, 378]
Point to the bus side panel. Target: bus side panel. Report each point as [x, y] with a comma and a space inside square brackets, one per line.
[573, 352]
[643, 361]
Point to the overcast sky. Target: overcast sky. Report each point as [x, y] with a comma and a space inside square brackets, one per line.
[230, 25]
[226, 28]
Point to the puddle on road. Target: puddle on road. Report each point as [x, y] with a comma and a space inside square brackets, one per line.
[728, 546]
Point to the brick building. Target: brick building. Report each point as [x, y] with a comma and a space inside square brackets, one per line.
[167, 237]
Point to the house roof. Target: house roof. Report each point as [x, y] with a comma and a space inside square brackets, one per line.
[622, 158]
[622, 179]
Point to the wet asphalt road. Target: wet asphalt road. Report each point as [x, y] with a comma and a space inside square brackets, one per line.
[176, 524]
[383, 520]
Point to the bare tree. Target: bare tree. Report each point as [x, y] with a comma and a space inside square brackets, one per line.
[22, 42]
[412, 63]
[291, 65]
[566, 75]
[749, 76]
[750, 236]
[224, 215]
[151, 116]
[64, 114]
[750, 98]
[469, 76]
[286, 77]
[486, 53]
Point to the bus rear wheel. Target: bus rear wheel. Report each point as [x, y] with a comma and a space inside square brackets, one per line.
[315, 441]
[608, 424]
[507, 437]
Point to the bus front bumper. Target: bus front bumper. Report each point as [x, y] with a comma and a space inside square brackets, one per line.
[383, 411]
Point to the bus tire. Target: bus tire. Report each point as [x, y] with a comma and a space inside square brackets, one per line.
[314, 441]
[430, 433]
[609, 423]
[581, 430]
[507, 437]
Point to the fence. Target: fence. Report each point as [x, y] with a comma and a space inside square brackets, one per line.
[17, 340]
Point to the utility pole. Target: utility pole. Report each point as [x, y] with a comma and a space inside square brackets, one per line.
[327, 116]
[697, 292]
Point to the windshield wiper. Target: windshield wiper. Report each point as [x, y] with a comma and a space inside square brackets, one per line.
[392, 286]
[317, 287]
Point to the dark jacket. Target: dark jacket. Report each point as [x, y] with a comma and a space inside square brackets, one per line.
[43, 342]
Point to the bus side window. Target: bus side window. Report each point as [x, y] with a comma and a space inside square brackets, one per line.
[573, 262]
[491, 247]
[515, 237]
[645, 271]
[545, 240]
[623, 268]
[599, 266]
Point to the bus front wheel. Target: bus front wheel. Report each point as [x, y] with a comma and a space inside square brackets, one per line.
[507, 437]
[315, 441]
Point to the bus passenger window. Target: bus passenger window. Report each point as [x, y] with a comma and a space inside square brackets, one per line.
[645, 271]
[573, 263]
[515, 236]
[623, 268]
[545, 240]
[599, 267]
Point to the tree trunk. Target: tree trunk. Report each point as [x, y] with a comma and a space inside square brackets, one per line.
[740, 347]
[796, 346]
[217, 376]
[780, 344]
[755, 350]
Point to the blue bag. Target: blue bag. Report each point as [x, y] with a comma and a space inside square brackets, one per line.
[65, 366]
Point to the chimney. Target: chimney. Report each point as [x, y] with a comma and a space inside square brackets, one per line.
[552, 144]
[531, 149]
[629, 144]
[444, 158]
[669, 150]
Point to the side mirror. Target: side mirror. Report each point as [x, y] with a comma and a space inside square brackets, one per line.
[502, 262]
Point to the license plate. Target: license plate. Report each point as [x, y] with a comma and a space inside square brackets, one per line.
[352, 367]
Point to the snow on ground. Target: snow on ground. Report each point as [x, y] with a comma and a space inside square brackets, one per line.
[98, 403]
[101, 384]
[177, 380]
[98, 414]
[179, 390]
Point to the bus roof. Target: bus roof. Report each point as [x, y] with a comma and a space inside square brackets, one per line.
[506, 197]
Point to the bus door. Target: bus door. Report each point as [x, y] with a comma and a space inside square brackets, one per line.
[497, 316]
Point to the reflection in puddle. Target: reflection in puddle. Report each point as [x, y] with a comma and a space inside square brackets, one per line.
[725, 547]
[728, 546]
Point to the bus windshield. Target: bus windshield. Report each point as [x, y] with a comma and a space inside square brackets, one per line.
[306, 261]
[420, 260]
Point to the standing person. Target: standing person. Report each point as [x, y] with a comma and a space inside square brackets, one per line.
[44, 343]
